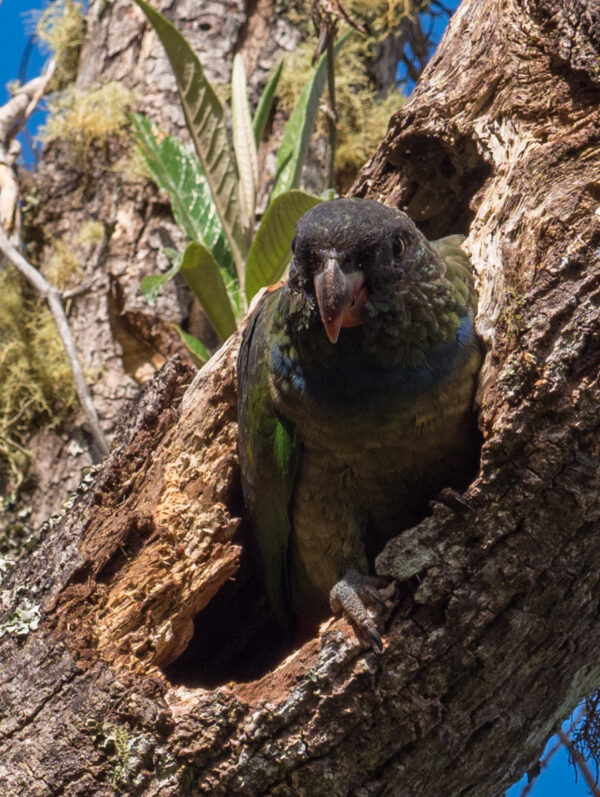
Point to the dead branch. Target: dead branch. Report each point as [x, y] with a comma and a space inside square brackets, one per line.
[52, 296]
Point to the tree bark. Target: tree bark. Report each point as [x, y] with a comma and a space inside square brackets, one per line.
[495, 636]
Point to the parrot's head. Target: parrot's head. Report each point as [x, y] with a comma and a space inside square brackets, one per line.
[357, 262]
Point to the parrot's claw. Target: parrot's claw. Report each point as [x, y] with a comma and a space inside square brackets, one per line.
[350, 595]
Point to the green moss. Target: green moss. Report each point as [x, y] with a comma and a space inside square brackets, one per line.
[64, 269]
[90, 232]
[83, 119]
[130, 755]
[367, 118]
[35, 378]
[296, 71]
[382, 17]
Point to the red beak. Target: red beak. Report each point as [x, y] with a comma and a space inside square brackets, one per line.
[341, 298]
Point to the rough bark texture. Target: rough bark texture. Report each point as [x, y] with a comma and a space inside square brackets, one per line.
[496, 634]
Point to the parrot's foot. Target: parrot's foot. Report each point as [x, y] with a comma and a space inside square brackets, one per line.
[352, 594]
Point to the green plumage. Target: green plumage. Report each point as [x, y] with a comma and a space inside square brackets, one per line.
[343, 443]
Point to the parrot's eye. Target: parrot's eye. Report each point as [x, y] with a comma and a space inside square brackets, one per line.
[398, 246]
[294, 245]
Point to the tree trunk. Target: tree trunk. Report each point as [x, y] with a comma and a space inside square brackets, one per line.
[495, 636]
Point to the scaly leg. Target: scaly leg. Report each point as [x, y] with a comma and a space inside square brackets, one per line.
[352, 594]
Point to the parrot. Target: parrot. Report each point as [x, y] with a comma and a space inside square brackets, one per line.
[356, 384]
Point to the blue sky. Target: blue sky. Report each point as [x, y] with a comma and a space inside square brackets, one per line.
[558, 780]
[15, 27]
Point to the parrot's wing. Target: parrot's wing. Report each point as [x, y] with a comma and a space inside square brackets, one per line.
[458, 267]
[269, 454]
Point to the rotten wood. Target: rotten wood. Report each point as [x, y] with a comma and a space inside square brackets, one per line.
[495, 637]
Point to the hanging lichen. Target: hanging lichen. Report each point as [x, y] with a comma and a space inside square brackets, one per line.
[64, 268]
[35, 378]
[86, 118]
[61, 27]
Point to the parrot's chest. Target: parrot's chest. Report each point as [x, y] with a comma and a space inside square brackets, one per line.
[377, 445]
[350, 405]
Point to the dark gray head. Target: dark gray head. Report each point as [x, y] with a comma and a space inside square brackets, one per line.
[349, 251]
[348, 224]
[358, 263]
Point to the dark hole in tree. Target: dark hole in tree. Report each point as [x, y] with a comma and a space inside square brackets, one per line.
[236, 637]
[447, 167]
[438, 179]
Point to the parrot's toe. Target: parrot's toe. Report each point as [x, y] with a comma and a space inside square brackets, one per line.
[352, 594]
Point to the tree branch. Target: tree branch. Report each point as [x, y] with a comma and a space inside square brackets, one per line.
[52, 296]
[13, 115]
[580, 761]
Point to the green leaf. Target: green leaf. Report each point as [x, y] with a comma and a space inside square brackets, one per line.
[238, 304]
[178, 172]
[270, 250]
[263, 109]
[206, 122]
[195, 346]
[243, 142]
[300, 127]
[152, 284]
[202, 274]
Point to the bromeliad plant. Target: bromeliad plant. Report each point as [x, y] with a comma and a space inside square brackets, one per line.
[213, 197]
